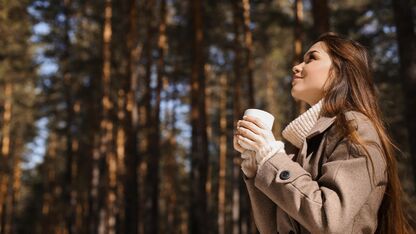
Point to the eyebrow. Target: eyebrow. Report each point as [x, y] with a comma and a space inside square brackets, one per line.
[310, 52]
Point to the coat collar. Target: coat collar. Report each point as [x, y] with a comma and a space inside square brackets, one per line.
[321, 125]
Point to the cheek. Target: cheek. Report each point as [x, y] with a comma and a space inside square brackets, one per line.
[312, 84]
[318, 75]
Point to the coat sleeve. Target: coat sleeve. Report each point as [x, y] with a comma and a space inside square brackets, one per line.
[264, 209]
[330, 203]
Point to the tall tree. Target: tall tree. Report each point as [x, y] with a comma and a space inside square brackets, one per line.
[248, 43]
[199, 148]
[237, 23]
[298, 47]
[70, 192]
[151, 189]
[107, 220]
[223, 155]
[5, 156]
[406, 40]
[132, 157]
[320, 13]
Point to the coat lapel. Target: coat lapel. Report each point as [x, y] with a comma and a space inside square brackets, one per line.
[321, 125]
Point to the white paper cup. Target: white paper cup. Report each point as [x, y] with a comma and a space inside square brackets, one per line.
[264, 117]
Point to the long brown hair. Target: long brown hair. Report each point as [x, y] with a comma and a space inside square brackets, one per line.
[350, 87]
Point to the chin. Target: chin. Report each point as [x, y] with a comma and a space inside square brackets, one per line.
[296, 97]
[294, 94]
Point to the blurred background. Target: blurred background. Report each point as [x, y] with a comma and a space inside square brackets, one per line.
[118, 116]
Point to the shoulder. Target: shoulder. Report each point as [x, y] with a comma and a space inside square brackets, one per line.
[363, 125]
[364, 135]
[345, 148]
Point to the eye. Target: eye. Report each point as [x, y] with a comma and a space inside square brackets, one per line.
[311, 57]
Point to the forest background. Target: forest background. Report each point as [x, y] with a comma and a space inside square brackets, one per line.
[118, 116]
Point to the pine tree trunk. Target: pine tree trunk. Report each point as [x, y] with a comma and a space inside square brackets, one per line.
[107, 213]
[132, 157]
[69, 190]
[222, 155]
[406, 39]
[241, 220]
[5, 153]
[298, 58]
[154, 133]
[96, 160]
[171, 173]
[151, 187]
[320, 12]
[248, 43]
[14, 187]
[199, 151]
[48, 219]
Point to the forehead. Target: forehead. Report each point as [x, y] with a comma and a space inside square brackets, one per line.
[319, 46]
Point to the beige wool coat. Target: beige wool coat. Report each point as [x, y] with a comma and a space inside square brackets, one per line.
[327, 186]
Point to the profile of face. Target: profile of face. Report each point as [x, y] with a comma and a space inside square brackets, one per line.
[310, 76]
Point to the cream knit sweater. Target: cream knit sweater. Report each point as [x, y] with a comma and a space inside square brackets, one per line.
[296, 131]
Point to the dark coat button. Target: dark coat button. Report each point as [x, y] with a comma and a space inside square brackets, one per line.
[284, 175]
[291, 232]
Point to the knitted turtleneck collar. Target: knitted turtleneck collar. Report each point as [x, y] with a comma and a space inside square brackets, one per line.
[296, 131]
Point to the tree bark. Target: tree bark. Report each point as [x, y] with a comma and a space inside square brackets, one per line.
[5, 156]
[222, 154]
[151, 222]
[298, 58]
[199, 149]
[407, 52]
[320, 12]
[248, 43]
[132, 157]
[70, 192]
[5, 152]
[107, 213]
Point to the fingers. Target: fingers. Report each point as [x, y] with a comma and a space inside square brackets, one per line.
[237, 146]
[246, 143]
[249, 125]
[255, 120]
[248, 134]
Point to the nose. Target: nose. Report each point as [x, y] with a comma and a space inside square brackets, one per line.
[297, 68]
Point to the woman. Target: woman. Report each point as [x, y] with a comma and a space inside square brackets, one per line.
[336, 171]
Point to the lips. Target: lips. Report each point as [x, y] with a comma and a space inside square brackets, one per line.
[295, 78]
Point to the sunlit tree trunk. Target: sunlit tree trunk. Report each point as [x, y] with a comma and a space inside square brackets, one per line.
[5, 171]
[407, 52]
[5, 151]
[107, 213]
[248, 43]
[298, 38]
[14, 186]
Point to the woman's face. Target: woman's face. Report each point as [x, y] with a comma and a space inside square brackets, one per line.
[309, 77]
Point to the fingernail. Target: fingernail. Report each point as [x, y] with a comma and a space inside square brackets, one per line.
[244, 117]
